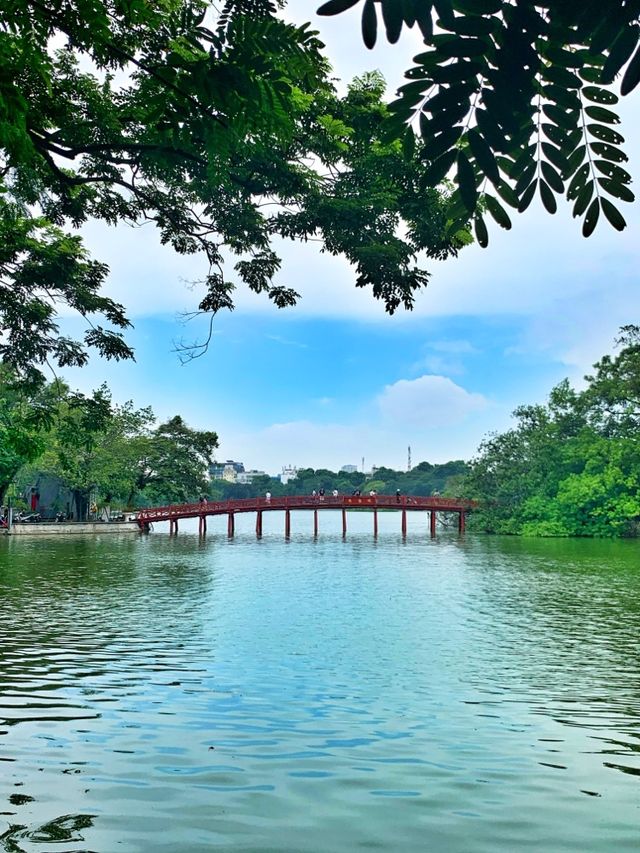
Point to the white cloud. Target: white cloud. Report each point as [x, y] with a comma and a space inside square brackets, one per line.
[428, 401]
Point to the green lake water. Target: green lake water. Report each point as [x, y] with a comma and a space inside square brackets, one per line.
[172, 694]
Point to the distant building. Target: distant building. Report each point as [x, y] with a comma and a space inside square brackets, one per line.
[217, 470]
[289, 472]
[247, 477]
[349, 469]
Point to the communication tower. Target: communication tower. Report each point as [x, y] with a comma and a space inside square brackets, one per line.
[409, 458]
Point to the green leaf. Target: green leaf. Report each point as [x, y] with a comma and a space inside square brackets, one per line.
[527, 196]
[611, 170]
[457, 72]
[483, 155]
[613, 214]
[561, 76]
[620, 191]
[609, 152]
[631, 75]
[369, 24]
[478, 7]
[555, 156]
[498, 212]
[393, 19]
[574, 161]
[462, 47]
[601, 114]
[409, 143]
[490, 129]
[547, 196]
[335, 7]
[605, 134]
[525, 179]
[507, 194]
[437, 145]
[584, 197]
[422, 13]
[565, 119]
[444, 8]
[619, 53]
[591, 219]
[578, 181]
[467, 182]
[600, 95]
[552, 177]
[438, 170]
[482, 235]
[472, 26]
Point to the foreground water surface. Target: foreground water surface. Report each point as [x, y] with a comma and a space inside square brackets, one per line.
[172, 694]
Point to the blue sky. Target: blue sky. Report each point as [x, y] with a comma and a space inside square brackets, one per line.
[336, 379]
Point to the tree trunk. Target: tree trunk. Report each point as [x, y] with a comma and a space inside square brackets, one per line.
[80, 504]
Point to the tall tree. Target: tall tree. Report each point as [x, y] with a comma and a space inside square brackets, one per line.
[570, 467]
[515, 99]
[222, 128]
[24, 419]
[92, 447]
[173, 462]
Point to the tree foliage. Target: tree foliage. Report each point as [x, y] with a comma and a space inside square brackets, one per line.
[515, 98]
[98, 450]
[222, 128]
[570, 467]
[423, 479]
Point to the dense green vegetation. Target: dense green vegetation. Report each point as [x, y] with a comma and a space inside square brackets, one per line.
[222, 127]
[95, 450]
[423, 479]
[570, 467]
[515, 98]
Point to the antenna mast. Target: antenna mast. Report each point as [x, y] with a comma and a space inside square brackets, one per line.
[409, 458]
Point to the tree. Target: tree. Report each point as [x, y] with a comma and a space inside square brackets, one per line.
[223, 129]
[614, 389]
[92, 447]
[515, 97]
[570, 467]
[173, 462]
[24, 418]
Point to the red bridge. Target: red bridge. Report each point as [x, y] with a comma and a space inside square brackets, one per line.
[372, 503]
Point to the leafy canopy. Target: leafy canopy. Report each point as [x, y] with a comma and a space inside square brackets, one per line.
[570, 467]
[220, 127]
[515, 99]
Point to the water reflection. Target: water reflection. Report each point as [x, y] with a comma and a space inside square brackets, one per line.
[174, 694]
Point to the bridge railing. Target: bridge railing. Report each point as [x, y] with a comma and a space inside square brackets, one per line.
[193, 510]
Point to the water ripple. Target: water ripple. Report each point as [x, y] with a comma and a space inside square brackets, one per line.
[328, 695]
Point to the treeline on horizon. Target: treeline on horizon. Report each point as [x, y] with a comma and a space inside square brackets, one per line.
[568, 467]
[423, 479]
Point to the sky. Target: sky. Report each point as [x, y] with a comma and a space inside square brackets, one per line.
[336, 380]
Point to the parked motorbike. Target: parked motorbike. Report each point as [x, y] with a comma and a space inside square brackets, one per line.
[27, 518]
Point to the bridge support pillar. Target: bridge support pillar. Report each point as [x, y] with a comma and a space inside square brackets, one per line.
[231, 525]
[202, 525]
[173, 526]
[433, 523]
[344, 522]
[315, 523]
[259, 524]
[404, 522]
[375, 523]
[461, 522]
[287, 523]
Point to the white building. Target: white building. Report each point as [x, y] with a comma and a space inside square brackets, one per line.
[289, 472]
[248, 477]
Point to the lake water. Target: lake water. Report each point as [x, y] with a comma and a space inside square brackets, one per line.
[171, 694]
